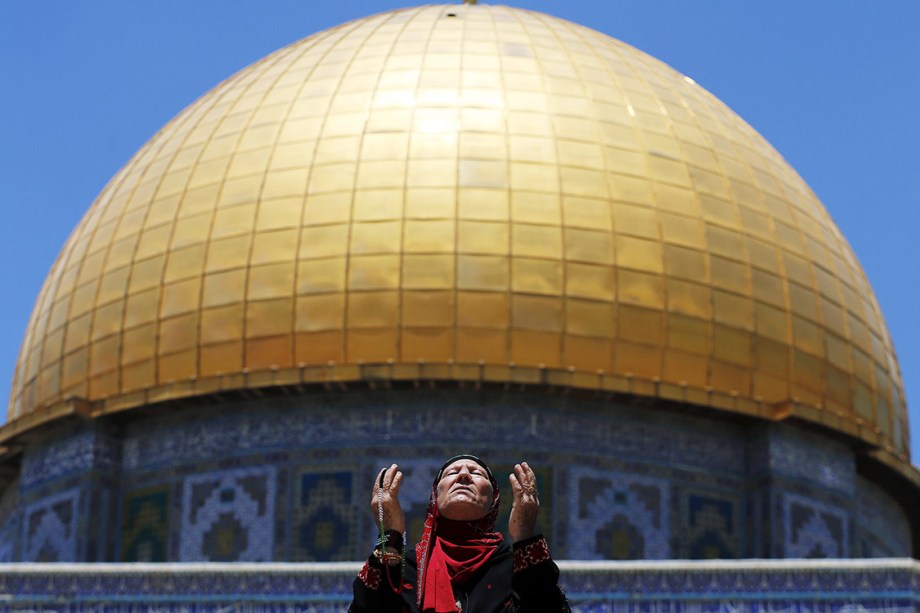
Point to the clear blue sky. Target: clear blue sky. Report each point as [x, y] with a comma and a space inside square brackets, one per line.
[832, 84]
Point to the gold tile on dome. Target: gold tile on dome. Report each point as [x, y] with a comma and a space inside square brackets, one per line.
[270, 281]
[180, 264]
[731, 377]
[77, 332]
[771, 322]
[533, 347]
[427, 308]
[269, 351]
[180, 297]
[190, 231]
[479, 344]
[323, 241]
[269, 317]
[635, 360]
[138, 375]
[531, 275]
[176, 366]
[538, 241]
[484, 204]
[377, 309]
[732, 345]
[222, 324]
[430, 236]
[233, 221]
[686, 368]
[589, 281]
[376, 237]
[488, 237]
[688, 334]
[371, 345]
[426, 344]
[107, 320]
[587, 354]
[321, 276]
[537, 313]
[138, 344]
[319, 312]
[103, 356]
[177, 333]
[227, 253]
[640, 288]
[224, 287]
[280, 213]
[640, 325]
[427, 271]
[430, 203]
[534, 177]
[373, 272]
[275, 246]
[141, 307]
[732, 309]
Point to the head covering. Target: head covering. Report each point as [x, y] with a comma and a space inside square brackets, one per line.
[452, 551]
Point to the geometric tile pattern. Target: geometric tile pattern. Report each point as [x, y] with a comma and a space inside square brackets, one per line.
[145, 526]
[711, 530]
[617, 516]
[882, 528]
[7, 541]
[813, 529]
[50, 529]
[800, 586]
[611, 484]
[827, 463]
[228, 516]
[324, 516]
[67, 456]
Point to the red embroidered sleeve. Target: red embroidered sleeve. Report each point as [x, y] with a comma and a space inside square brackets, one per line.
[370, 576]
[531, 554]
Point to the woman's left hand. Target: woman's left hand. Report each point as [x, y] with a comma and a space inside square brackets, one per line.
[523, 521]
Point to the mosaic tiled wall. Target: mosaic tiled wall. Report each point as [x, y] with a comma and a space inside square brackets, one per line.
[750, 586]
[882, 527]
[288, 480]
[9, 522]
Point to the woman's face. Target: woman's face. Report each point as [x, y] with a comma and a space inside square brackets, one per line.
[464, 491]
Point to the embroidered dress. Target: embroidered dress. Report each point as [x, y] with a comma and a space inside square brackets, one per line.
[522, 578]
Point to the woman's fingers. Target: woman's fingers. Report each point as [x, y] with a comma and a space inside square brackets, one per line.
[397, 481]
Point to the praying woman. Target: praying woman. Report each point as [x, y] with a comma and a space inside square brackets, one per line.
[461, 564]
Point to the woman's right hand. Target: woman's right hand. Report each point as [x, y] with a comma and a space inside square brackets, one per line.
[386, 495]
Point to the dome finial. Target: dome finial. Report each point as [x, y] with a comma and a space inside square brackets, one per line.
[470, 1]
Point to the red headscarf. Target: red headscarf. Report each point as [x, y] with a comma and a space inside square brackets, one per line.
[450, 551]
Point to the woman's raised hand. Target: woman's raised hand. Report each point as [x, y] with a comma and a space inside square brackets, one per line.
[523, 521]
[385, 498]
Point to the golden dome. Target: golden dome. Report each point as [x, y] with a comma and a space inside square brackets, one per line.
[462, 192]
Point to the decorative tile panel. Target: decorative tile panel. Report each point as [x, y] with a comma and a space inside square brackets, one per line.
[228, 516]
[325, 515]
[801, 455]
[617, 516]
[800, 586]
[711, 526]
[145, 526]
[50, 529]
[813, 529]
[882, 528]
